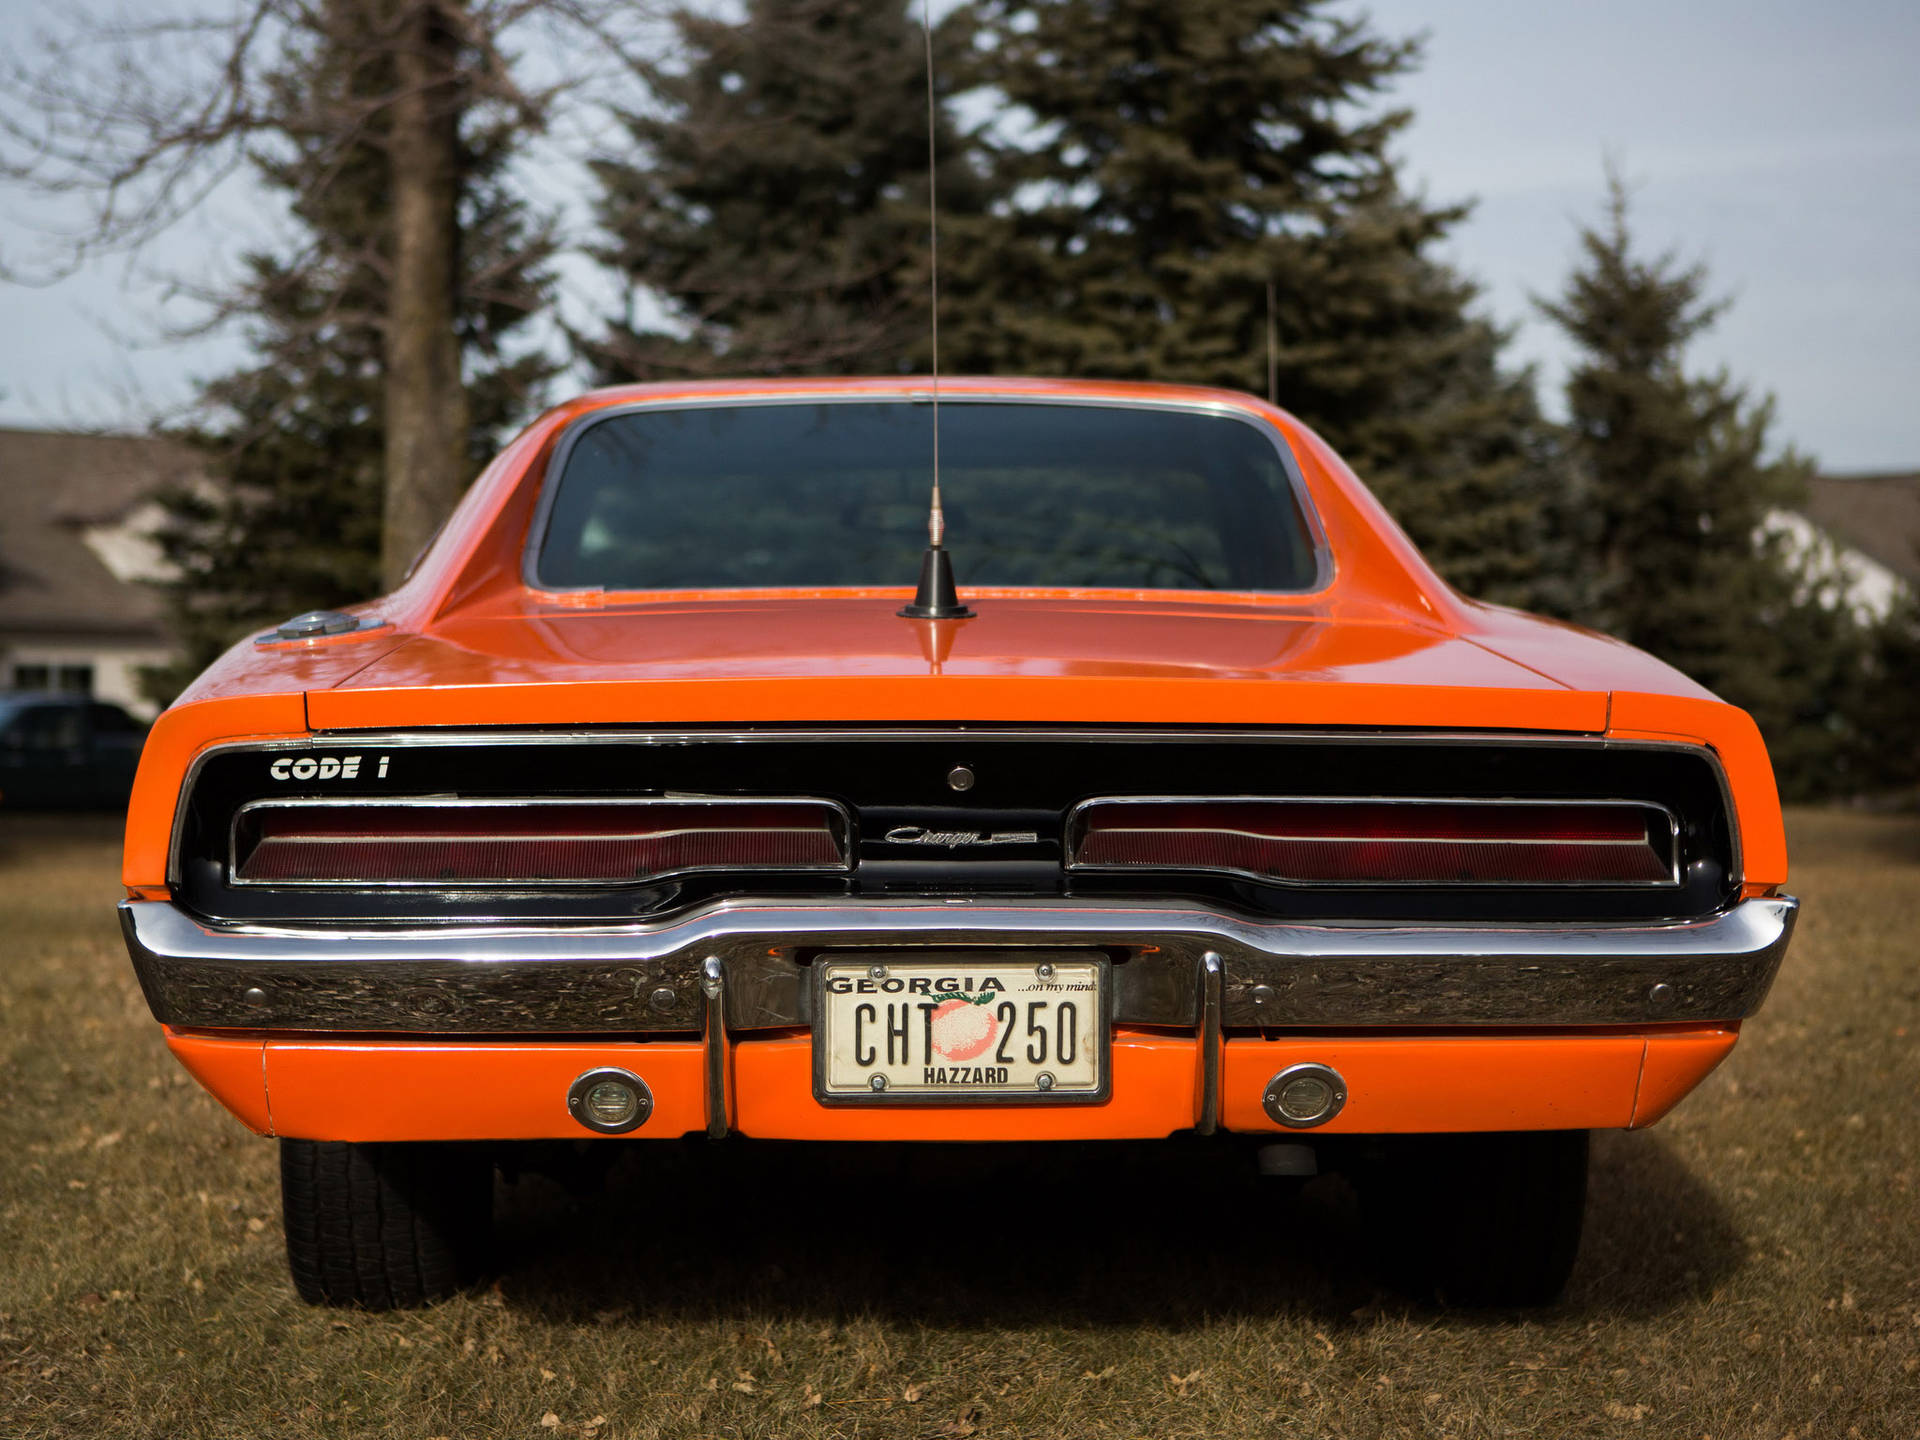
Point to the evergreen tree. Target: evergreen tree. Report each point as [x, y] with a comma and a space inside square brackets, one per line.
[776, 198]
[1889, 712]
[1673, 480]
[295, 443]
[1181, 173]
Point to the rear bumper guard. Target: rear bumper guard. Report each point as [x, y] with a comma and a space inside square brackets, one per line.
[737, 966]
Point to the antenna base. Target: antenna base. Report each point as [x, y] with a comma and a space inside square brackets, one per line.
[936, 598]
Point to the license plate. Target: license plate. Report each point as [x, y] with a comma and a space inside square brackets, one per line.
[961, 1027]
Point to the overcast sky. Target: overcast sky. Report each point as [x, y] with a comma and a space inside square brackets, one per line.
[1775, 140]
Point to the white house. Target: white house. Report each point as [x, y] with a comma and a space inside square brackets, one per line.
[74, 548]
[1860, 536]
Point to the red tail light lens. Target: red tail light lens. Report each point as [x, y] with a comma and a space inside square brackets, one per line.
[1382, 842]
[470, 842]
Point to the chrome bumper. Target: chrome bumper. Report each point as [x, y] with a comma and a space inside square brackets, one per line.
[737, 962]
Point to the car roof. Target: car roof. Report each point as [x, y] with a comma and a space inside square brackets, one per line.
[17, 699]
[14, 701]
[910, 387]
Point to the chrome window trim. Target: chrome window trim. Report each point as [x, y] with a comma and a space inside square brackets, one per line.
[400, 739]
[1071, 837]
[844, 837]
[1325, 565]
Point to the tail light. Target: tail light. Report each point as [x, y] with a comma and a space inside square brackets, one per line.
[1383, 842]
[531, 842]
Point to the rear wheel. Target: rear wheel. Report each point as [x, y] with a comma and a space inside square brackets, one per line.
[386, 1226]
[1480, 1220]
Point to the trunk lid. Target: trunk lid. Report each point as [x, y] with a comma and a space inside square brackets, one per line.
[851, 659]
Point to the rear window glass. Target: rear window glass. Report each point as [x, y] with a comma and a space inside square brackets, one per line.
[745, 496]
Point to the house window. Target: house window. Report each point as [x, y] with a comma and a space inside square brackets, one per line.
[63, 679]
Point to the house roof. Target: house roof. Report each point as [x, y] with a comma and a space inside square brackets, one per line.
[1878, 515]
[59, 485]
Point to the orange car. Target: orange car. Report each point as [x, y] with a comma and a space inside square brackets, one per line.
[655, 803]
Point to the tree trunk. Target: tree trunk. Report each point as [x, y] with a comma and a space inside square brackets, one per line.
[427, 418]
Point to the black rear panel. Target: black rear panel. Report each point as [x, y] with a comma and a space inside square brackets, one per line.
[1009, 821]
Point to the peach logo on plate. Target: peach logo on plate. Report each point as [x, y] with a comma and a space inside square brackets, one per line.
[963, 1025]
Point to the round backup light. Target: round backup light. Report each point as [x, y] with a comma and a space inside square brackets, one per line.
[610, 1101]
[1303, 1096]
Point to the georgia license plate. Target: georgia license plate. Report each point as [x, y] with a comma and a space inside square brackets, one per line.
[961, 1028]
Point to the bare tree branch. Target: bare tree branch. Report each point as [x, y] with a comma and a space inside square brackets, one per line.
[142, 119]
[381, 126]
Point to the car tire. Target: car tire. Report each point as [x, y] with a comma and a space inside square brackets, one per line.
[384, 1227]
[1480, 1220]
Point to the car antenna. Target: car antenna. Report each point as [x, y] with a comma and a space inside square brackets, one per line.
[936, 598]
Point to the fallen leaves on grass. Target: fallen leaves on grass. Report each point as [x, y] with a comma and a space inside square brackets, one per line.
[1711, 1173]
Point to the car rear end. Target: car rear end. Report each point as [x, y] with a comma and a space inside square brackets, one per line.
[641, 813]
[985, 932]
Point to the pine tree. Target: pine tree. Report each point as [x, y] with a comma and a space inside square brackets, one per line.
[1889, 710]
[1673, 480]
[1175, 166]
[776, 198]
[293, 512]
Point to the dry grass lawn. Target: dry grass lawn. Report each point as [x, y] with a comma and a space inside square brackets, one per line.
[1752, 1266]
